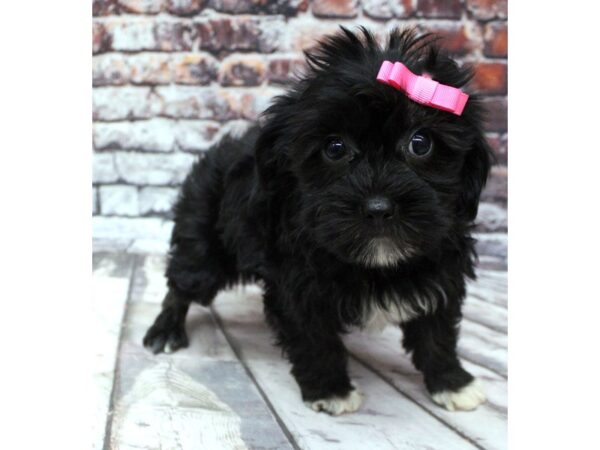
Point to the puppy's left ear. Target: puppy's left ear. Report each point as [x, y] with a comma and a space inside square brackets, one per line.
[475, 172]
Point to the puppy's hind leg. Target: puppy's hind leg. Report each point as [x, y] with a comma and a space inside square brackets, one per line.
[168, 331]
[198, 265]
[189, 279]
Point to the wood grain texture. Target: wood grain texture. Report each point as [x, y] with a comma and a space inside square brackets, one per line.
[487, 314]
[386, 420]
[483, 346]
[491, 287]
[382, 353]
[232, 389]
[110, 287]
[198, 398]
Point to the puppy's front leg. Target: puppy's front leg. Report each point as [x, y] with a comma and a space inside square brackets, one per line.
[319, 365]
[432, 340]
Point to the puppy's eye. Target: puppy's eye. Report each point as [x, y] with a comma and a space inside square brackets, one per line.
[420, 143]
[335, 149]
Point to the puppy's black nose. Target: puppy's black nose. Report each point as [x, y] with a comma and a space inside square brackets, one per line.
[378, 207]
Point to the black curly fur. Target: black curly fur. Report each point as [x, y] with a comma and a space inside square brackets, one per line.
[270, 206]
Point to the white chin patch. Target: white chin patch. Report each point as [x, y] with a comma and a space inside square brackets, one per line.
[466, 399]
[382, 252]
[338, 405]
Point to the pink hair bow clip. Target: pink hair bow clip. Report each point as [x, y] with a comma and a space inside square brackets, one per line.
[422, 89]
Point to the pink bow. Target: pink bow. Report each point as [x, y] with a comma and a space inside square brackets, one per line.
[422, 89]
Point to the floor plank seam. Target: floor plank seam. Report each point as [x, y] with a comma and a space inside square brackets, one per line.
[393, 386]
[113, 393]
[263, 395]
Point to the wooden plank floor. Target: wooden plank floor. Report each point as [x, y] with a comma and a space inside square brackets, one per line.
[231, 389]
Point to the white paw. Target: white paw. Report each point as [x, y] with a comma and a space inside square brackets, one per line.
[466, 399]
[338, 405]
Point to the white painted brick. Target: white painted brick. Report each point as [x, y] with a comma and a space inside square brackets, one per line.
[157, 199]
[153, 169]
[491, 217]
[492, 244]
[104, 169]
[155, 80]
[119, 200]
[253, 101]
[119, 233]
[150, 135]
[273, 28]
[122, 103]
[132, 33]
[191, 102]
[143, 6]
[264, 98]
[379, 9]
[150, 68]
[110, 69]
[304, 32]
[197, 136]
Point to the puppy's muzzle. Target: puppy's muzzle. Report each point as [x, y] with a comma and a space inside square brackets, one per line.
[378, 208]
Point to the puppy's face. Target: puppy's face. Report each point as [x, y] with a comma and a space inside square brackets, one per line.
[381, 179]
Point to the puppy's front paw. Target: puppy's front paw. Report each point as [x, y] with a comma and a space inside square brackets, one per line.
[336, 405]
[466, 398]
[165, 336]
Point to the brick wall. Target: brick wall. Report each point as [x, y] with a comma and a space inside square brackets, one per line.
[170, 77]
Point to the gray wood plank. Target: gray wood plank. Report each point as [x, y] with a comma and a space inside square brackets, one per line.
[488, 314]
[483, 346]
[197, 398]
[202, 397]
[110, 285]
[491, 286]
[386, 420]
[382, 352]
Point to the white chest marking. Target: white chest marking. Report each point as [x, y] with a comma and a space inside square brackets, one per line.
[378, 318]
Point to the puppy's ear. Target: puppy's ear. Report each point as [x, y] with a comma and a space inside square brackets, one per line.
[474, 176]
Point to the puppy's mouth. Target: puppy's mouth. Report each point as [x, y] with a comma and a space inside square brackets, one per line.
[384, 252]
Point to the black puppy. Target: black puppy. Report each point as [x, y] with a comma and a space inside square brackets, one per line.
[353, 204]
